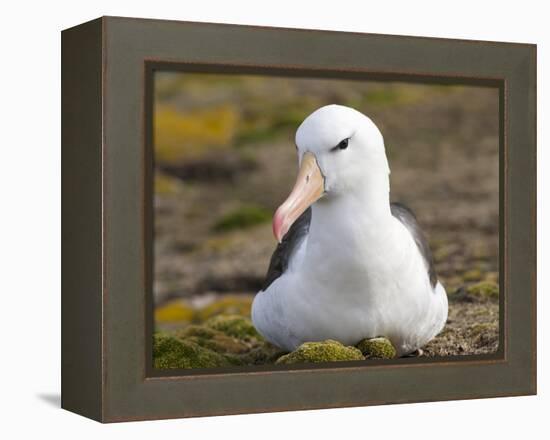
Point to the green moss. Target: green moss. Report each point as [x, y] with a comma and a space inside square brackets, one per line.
[291, 117]
[325, 351]
[386, 96]
[382, 97]
[271, 123]
[212, 339]
[263, 353]
[377, 348]
[228, 305]
[242, 217]
[482, 328]
[236, 326]
[172, 352]
[472, 275]
[483, 289]
[254, 133]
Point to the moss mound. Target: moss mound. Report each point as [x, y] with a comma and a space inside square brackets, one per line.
[377, 348]
[326, 351]
[236, 326]
[483, 289]
[195, 345]
[263, 353]
[172, 352]
[212, 339]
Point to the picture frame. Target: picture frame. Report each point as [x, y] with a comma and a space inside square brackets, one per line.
[107, 66]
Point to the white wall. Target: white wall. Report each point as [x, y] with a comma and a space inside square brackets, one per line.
[30, 216]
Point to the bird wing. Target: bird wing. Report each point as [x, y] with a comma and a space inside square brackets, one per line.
[407, 217]
[285, 250]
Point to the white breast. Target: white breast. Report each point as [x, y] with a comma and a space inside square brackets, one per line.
[354, 283]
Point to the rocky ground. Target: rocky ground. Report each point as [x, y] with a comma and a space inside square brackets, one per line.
[214, 197]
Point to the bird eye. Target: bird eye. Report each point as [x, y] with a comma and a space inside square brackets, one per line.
[342, 145]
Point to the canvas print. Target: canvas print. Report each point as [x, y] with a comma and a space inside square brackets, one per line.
[304, 220]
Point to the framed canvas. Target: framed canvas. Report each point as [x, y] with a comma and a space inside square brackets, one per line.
[179, 141]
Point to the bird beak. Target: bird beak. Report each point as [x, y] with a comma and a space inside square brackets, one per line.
[309, 187]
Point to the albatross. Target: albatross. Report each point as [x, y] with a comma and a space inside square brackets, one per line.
[349, 264]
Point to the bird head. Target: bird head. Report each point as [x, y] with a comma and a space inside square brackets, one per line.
[340, 151]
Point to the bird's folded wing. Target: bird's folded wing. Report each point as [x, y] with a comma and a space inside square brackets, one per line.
[286, 249]
[407, 217]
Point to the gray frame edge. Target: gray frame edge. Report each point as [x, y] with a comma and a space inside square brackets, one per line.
[105, 286]
[81, 216]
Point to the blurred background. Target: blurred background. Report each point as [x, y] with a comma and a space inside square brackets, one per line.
[225, 159]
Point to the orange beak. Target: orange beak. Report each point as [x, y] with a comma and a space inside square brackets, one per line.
[309, 187]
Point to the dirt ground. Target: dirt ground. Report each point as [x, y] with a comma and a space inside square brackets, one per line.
[214, 201]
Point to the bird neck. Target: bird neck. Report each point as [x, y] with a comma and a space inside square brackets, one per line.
[354, 217]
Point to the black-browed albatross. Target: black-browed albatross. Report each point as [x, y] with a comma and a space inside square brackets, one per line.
[349, 264]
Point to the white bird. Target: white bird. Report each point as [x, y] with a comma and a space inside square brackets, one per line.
[349, 265]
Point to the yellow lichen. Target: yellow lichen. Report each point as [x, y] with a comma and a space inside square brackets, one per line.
[182, 135]
[229, 305]
[175, 311]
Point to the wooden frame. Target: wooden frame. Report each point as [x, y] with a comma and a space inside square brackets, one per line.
[107, 65]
